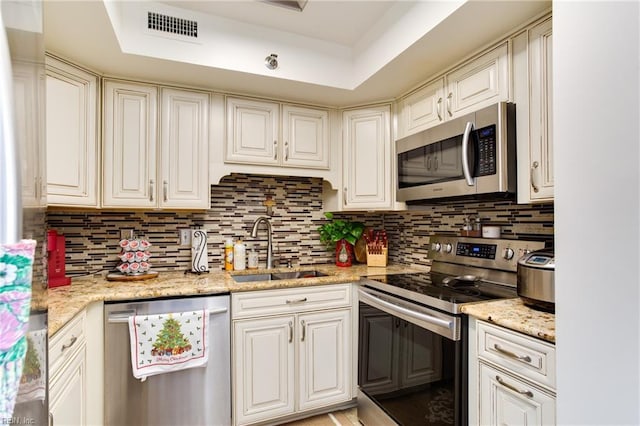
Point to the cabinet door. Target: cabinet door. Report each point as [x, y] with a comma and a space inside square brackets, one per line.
[252, 132]
[185, 149]
[68, 393]
[129, 171]
[264, 366]
[305, 136]
[325, 358]
[422, 109]
[378, 373]
[367, 159]
[541, 112]
[27, 98]
[71, 135]
[479, 83]
[506, 400]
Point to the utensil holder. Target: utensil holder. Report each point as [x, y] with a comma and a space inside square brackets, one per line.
[377, 259]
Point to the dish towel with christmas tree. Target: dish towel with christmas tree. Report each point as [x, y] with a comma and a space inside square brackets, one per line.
[168, 342]
[33, 380]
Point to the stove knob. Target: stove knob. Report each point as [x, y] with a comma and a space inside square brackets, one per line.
[448, 248]
[508, 253]
[436, 247]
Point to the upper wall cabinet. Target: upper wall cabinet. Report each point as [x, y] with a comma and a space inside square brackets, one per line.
[268, 133]
[533, 87]
[471, 86]
[73, 164]
[367, 170]
[139, 171]
[29, 92]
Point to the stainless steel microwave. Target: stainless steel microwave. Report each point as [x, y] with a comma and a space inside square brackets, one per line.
[469, 155]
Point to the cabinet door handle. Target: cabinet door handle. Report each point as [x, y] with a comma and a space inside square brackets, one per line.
[304, 330]
[449, 104]
[50, 418]
[296, 301]
[429, 162]
[290, 331]
[151, 189]
[344, 196]
[526, 393]
[435, 162]
[71, 343]
[525, 358]
[286, 151]
[165, 189]
[438, 108]
[534, 173]
[275, 150]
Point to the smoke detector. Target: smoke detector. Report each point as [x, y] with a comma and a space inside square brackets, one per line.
[271, 61]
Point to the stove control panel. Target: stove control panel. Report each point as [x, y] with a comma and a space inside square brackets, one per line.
[481, 252]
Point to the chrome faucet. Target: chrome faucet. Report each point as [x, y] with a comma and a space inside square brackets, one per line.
[254, 234]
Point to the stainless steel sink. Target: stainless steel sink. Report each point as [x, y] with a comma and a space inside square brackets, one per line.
[297, 274]
[253, 277]
[279, 276]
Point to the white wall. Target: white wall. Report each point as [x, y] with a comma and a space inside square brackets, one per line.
[596, 98]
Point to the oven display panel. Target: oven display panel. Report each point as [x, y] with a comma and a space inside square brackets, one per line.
[482, 251]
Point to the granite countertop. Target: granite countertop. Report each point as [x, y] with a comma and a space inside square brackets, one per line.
[66, 301]
[515, 315]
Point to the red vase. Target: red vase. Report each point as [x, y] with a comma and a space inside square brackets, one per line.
[344, 253]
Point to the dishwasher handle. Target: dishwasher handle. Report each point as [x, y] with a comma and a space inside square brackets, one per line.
[123, 316]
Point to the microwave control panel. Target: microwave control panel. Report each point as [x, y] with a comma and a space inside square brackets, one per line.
[486, 151]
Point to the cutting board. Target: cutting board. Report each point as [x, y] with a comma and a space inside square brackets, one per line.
[116, 276]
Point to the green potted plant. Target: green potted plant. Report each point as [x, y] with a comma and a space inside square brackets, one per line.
[340, 235]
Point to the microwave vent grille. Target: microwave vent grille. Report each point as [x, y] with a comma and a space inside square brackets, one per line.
[172, 25]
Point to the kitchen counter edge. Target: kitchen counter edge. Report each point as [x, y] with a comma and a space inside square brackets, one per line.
[515, 315]
[67, 301]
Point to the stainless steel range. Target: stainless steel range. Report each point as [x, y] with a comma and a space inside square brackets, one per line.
[412, 357]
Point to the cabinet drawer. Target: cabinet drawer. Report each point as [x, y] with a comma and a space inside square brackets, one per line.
[66, 342]
[529, 357]
[290, 300]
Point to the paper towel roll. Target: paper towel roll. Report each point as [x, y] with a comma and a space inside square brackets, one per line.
[199, 259]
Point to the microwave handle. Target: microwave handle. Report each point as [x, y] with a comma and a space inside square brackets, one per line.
[465, 157]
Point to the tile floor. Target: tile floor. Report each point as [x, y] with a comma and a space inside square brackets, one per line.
[347, 417]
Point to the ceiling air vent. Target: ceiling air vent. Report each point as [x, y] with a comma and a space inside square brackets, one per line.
[172, 25]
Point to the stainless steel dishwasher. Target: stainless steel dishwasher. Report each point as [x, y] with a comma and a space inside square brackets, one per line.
[195, 396]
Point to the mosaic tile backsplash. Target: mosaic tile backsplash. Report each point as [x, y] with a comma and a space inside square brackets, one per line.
[92, 236]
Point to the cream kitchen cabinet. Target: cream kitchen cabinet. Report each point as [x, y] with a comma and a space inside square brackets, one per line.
[367, 171]
[76, 376]
[73, 162]
[29, 92]
[274, 134]
[533, 54]
[512, 378]
[139, 171]
[67, 374]
[292, 351]
[477, 83]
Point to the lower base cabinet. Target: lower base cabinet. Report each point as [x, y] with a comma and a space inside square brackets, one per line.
[293, 361]
[511, 378]
[68, 400]
[507, 400]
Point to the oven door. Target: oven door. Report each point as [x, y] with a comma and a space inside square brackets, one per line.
[411, 363]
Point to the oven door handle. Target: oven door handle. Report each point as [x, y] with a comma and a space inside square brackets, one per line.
[465, 154]
[408, 312]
